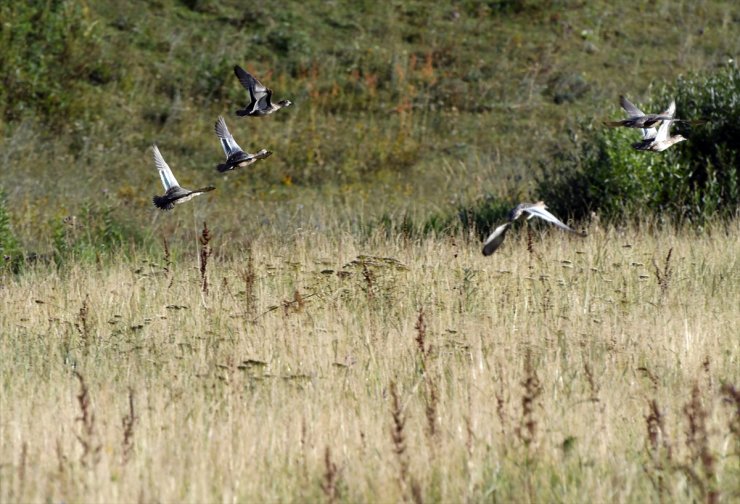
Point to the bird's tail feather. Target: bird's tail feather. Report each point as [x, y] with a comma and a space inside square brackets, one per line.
[693, 122]
[162, 203]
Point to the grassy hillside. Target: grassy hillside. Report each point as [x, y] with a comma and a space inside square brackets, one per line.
[401, 107]
[323, 326]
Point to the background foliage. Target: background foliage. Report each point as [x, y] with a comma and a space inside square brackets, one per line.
[408, 116]
[695, 180]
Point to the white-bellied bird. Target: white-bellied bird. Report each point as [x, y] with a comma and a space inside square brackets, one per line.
[235, 156]
[658, 140]
[538, 209]
[174, 194]
[260, 97]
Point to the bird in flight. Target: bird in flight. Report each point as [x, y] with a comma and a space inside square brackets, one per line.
[260, 97]
[538, 209]
[174, 194]
[639, 119]
[658, 140]
[235, 156]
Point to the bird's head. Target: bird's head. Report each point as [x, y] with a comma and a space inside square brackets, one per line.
[672, 141]
[285, 103]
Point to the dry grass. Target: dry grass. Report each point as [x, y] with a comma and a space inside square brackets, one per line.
[305, 372]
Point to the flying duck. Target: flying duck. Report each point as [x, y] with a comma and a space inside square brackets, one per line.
[639, 119]
[260, 97]
[538, 209]
[235, 156]
[660, 139]
[174, 194]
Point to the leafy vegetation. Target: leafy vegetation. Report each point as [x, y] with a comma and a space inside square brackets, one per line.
[695, 180]
[96, 233]
[414, 112]
[53, 49]
[10, 252]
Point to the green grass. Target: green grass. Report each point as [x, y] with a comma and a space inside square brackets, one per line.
[401, 108]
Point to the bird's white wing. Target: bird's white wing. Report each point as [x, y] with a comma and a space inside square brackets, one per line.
[545, 215]
[665, 126]
[663, 131]
[630, 108]
[671, 110]
[168, 179]
[649, 133]
[495, 240]
[227, 141]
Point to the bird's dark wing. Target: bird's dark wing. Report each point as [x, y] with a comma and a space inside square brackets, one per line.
[257, 91]
[495, 240]
[630, 108]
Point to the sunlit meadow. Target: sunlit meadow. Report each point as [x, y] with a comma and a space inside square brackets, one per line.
[323, 327]
[328, 368]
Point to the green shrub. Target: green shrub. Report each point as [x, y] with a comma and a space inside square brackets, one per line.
[478, 217]
[692, 181]
[11, 255]
[484, 214]
[712, 154]
[96, 233]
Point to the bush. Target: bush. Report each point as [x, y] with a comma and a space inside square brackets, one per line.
[484, 215]
[478, 217]
[691, 181]
[98, 232]
[11, 255]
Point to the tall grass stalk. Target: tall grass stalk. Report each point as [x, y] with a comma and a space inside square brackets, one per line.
[228, 408]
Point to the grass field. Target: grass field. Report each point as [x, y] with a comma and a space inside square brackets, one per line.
[336, 334]
[333, 369]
